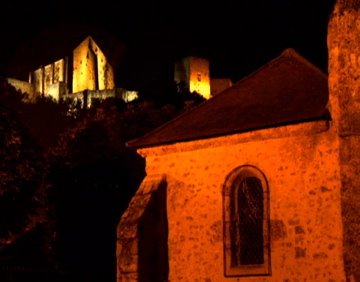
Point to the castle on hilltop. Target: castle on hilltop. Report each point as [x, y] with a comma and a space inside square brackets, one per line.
[87, 73]
[83, 75]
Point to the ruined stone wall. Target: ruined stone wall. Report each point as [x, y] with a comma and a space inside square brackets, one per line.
[56, 90]
[38, 80]
[48, 77]
[91, 70]
[142, 235]
[59, 74]
[344, 86]
[23, 87]
[300, 163]
[49, 80]
[105, 71]
[84, 67]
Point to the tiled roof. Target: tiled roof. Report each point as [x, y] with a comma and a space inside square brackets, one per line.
[287, 90]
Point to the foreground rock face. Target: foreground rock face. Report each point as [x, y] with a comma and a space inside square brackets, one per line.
[344, 86]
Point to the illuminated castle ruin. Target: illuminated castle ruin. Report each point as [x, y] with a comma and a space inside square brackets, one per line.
[91, 70]
[260, 182]
[194, 72]
[86, 73]
[83, 75]
[50, 80]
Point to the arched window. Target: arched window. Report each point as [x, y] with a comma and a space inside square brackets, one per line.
[246, 222]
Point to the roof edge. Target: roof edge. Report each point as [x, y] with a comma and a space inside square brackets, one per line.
[325, 117]
[286, 53]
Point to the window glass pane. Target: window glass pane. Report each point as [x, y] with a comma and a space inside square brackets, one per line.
[247, 224]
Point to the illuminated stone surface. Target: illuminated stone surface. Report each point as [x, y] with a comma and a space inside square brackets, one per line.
[88, 75]
[344, 84]
[312, 170]
[91, 69]
[300, 163]
[195, 73]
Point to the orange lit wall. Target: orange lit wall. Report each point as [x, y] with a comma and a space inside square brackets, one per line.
[344, 85]
[301, 165]
[200, 76]
[91, 69]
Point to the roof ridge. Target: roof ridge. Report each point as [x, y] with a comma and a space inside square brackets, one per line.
[128, 143]
[211, 100]
[292, 53]
[288, 53]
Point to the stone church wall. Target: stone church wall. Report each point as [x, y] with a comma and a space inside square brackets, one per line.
[300, 163]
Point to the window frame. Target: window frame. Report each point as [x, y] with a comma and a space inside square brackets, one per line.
[233, 179]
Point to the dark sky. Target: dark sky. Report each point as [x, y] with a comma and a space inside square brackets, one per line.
[236, 36]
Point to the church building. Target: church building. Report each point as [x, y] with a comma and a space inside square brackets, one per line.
[258, 183]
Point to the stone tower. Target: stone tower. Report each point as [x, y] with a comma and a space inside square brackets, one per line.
[91, 68]
[344, 87]
[195, 73]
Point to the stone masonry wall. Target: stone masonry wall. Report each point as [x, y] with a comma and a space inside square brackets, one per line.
[49, 80]
[142, 254]
[105, 71]
[344, 86]
[300, 163]
[199, 79]
[91, 69]
[38, 81]
[84, 67]
[23, 87]
[195, 73]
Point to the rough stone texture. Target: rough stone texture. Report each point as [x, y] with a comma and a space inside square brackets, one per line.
[313, 174]
[56, 90]
[48, 77]
[59, 71]
[38, 80]
[23, 86]
[344, 5]
[91, 69]
[49, 80]
[86, 97]
[142, 235]
[302, 170]
[344, 86]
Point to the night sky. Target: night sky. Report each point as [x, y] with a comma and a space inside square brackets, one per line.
[236, 36]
